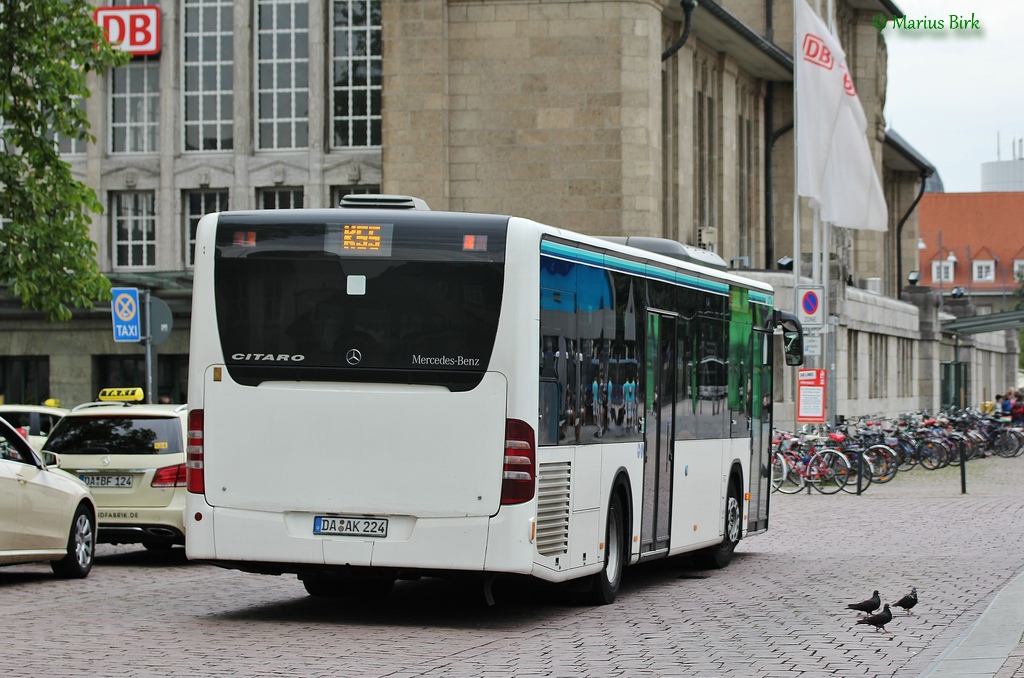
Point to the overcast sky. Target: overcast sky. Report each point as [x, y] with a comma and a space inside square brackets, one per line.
[951, 92]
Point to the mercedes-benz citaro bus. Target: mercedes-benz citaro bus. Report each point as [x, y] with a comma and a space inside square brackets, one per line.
[380, 391]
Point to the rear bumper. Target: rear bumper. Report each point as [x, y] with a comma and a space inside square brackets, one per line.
[147, 534]
[279, 543]
[128, 525]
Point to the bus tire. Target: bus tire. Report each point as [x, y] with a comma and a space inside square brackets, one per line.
[605, 584]
[720, 555]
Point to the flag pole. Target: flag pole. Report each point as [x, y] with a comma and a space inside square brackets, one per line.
[829, 331]
[796, 168]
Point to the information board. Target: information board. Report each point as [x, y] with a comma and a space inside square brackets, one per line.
[811, 391]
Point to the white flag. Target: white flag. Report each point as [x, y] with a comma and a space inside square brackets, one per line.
[819, 94]
[851, 192]
[834, 165]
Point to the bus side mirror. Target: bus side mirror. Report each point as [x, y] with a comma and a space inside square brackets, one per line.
[793, 343]
[792, 336]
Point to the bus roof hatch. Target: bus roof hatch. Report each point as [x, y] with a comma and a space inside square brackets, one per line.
[383, 202]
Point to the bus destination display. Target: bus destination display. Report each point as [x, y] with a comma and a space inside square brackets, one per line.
[369, 240]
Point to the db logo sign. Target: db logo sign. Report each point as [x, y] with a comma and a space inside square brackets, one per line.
[134, 29]
[817, 52]
[848, 84]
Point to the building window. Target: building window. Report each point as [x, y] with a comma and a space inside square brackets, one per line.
[942, 271]
[746, 168]
[984, 270]
[208, 78]
[339, 192]
[282, 80]
[197, 205]
[133, 217]
[24, 380]
[71, 145]
[905, 350]
[852, 356]
[705, 140]
[128, 371]
[878, 358]
[1018, 270]
[357, 71]
[134, 103]
[279, 198]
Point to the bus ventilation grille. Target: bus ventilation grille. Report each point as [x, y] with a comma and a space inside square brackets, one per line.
[553, 508]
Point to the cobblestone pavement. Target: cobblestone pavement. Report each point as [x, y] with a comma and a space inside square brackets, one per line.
[778, 610]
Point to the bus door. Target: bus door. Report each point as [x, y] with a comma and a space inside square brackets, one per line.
[659, 432]
[760, 429]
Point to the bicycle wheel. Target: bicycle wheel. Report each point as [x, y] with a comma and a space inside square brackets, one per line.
[956, 444]
[785, 478]
[1004, 442]
[905, 453]
[883, 463]
[866, 477]
[1019, 435]
[931, 454]
[828, 471]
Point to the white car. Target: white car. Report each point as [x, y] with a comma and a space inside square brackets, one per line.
[46, 514]
[34, 422]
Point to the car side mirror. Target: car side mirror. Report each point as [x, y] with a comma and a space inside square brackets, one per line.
[50, 459]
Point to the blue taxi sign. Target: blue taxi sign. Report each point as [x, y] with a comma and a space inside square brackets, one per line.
[124, 309]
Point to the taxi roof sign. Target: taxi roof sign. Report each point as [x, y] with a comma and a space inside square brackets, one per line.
[127, 395]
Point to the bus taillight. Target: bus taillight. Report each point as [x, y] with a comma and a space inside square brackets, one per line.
[519, 471]
[195, 480]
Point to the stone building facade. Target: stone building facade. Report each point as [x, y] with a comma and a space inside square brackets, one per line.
[570, 112]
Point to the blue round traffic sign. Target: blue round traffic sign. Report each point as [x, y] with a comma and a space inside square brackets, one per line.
[810, 303]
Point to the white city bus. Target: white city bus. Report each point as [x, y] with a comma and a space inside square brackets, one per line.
[384, 391]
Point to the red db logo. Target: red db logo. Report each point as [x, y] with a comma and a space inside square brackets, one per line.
[817, 52]
[134, 29]
[848, 84]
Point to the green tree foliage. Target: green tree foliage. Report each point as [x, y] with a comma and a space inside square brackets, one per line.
[47, 258]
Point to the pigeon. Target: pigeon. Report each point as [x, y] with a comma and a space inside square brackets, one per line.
[908, 601]
[867, 606]
[878, 620]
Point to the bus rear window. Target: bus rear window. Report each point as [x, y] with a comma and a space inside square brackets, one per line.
[409, 298]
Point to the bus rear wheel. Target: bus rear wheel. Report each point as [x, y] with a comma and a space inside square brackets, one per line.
[605, 584]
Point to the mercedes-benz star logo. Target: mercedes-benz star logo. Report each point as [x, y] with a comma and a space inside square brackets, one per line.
[105, 461]
[353, 357]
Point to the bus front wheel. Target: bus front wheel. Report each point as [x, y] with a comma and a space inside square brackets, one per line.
[720, 555]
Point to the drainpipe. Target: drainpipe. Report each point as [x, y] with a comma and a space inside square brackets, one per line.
[899, 234]
[688, 7]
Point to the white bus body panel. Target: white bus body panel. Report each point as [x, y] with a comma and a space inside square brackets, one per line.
[342, 457]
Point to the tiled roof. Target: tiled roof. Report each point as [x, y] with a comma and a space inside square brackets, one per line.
[990, 224]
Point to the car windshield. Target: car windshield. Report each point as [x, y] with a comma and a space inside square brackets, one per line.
[116, 435]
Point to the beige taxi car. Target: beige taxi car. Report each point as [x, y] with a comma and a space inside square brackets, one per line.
[132, 457]
[34, 422]
[45, 513]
